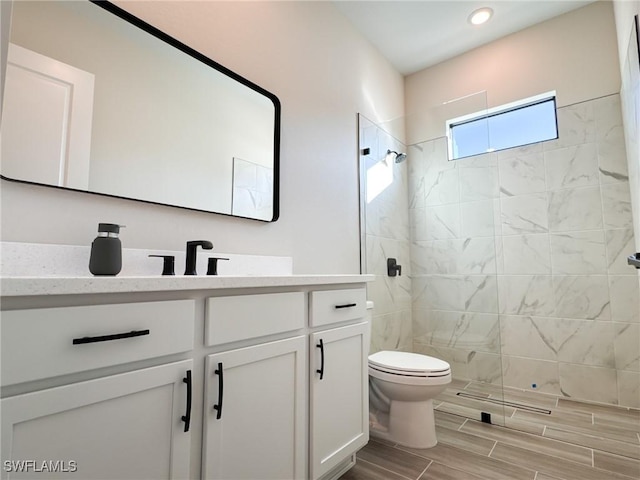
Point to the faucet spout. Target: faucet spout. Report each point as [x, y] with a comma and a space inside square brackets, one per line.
[192, 248]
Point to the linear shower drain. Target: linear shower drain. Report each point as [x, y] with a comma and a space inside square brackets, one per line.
[496, 401]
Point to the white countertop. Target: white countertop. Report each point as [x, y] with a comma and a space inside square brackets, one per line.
[43, 286]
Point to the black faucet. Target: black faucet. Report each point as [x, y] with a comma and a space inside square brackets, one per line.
[192, 247]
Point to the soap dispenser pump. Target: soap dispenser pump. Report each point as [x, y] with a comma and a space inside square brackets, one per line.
[106, 251]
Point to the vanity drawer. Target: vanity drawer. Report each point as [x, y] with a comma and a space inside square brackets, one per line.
[47, 342]
[333, 306]
[243, 317]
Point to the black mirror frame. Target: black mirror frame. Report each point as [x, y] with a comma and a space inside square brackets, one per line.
[132, 19]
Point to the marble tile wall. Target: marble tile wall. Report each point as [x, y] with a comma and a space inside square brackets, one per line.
[518, 260]
[386, 235]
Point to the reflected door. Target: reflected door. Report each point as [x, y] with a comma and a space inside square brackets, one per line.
[46, 120]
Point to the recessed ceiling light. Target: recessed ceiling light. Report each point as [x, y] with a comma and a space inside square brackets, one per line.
[480, 16]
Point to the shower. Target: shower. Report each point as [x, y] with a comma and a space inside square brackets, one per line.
[400, 157]
[496, 284]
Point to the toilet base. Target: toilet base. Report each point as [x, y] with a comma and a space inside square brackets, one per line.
[411, 424]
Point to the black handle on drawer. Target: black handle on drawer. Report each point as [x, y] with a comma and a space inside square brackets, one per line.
[218, 406]
[321, 347]
[186, 418]
[346, 305]
[107, 338]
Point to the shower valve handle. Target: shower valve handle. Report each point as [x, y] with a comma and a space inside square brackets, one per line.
[393, 268]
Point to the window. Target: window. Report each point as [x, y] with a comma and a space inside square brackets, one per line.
[520, 123]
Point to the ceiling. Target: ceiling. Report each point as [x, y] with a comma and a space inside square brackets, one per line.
[414, 35]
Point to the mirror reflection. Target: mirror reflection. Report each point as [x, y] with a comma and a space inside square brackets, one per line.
[94, 103]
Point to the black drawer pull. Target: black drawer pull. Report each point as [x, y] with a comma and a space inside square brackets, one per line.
[321, 347]
[186, 418]
[107, 338]
[347, 305]
[218, 406]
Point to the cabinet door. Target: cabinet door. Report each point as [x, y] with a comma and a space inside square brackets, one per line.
[339, 396]
[118, 427]
[254, 412]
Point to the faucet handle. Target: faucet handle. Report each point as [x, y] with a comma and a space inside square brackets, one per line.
[212, 267]
[393, 268]
[168, 266]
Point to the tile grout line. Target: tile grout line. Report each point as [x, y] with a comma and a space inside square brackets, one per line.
[529, 469]
[464, 423]
[426, 468]
[492, 448]
[385, 469]
[630, 440]
[558, 441]
[564, 459]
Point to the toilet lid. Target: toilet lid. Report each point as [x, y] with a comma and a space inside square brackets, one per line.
[407, 362]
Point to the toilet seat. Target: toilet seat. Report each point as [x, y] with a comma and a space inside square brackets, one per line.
[405, 363]
[409, 368]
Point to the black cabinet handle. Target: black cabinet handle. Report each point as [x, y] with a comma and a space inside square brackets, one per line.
[346, 305]
[107, 338]
[218, 406]
[321, 347]
[186, 418]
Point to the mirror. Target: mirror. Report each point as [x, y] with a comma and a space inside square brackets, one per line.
[97, 100]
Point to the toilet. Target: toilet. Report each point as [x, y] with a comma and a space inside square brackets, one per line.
[402, 386]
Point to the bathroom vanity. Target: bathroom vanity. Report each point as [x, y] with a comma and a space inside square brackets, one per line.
[184, 377]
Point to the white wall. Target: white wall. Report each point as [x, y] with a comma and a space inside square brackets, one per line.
[535, 60]
[323, 72]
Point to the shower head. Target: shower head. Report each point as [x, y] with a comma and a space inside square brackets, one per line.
[400, 157]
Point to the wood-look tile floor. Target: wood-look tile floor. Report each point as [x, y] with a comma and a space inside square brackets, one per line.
[574, 441]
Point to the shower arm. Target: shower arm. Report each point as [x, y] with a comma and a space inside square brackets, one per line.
[634, 260]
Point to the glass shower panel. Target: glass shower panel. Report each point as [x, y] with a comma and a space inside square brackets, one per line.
[384, 227]
[454, 217]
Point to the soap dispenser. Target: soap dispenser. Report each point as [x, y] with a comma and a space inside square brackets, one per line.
[106, 251]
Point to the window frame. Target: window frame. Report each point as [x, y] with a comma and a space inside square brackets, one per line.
[496, 111]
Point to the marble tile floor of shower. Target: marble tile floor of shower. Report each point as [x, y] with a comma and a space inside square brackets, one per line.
[573, 441]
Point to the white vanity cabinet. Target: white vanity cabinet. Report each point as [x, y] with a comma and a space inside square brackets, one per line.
[338, 398]
[339, 414]
[117, 427]
[135, 424]
[39, 343]
[254, 412]
[102, 376]
[254, 421]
